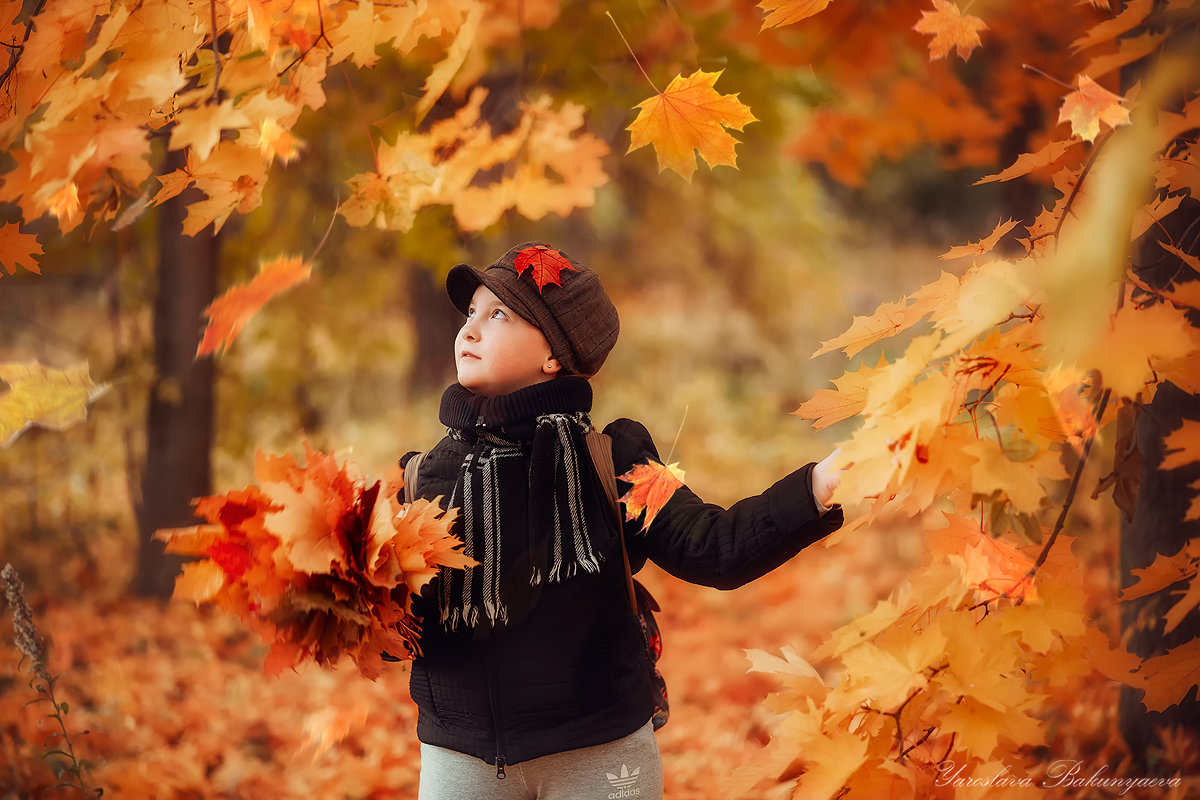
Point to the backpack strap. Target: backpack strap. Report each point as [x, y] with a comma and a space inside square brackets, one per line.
[600, 448]
[410, 475]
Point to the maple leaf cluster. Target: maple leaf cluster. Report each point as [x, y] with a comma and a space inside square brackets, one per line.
[1012, 369]
[320, 564]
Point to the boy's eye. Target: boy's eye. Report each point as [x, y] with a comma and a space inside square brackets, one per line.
[499, 314]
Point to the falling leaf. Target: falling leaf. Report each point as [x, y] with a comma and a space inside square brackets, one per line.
[18, 249]
[653, 486]
[950, 30]
[688, 116]
[543, 265]
[49, 398]
[1088, 106]
[785, 12]
[230, 312]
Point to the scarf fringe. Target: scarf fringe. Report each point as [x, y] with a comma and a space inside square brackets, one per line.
[474, 594]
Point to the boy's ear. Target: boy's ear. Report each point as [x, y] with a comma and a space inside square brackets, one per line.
[551, 366]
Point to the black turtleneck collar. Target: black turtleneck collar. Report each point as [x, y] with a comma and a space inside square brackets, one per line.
[514, 415]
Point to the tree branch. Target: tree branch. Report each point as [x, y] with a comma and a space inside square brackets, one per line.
[17, 50]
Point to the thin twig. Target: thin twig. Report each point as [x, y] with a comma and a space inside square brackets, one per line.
[1079, 182]
[216, 95]
[321, 35]
[19, 49]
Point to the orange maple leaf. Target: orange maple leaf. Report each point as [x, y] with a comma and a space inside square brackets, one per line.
[653, 485]
[1168, 678]
[950, 29]
[1026, 163]
[543, 264]
[230, 312]
[1088, 106]
[688, 116]
[18, 249]
[983, 246]
[785, 12]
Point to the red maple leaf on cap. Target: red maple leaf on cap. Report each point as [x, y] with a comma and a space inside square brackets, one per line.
[546, 265]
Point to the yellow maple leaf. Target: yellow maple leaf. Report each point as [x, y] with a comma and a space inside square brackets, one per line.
[1127, 351]
[891, 318]
[951, 29]
[688, 116]
[456, 54]
[200, 127]
[984, 245]
[653, 485]
[49, 398]
[1088, 106]
[785, 12]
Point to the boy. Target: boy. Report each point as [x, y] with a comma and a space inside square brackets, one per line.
[534, 667]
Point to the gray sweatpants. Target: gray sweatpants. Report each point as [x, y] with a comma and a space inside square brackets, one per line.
[622, 770]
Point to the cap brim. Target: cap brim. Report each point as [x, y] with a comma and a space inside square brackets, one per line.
[461, 283]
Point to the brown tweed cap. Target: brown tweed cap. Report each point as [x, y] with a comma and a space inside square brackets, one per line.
[576, 315]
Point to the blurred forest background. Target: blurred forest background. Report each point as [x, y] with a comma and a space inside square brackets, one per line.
[856, 176]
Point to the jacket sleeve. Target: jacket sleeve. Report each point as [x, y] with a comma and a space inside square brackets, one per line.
[726, 548]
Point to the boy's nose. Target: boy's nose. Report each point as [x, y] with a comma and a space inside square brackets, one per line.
[468, 331]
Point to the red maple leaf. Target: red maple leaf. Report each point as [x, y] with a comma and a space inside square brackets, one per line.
[653, 485]
[546, 265]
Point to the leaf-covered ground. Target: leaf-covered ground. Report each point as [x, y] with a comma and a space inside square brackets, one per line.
[176, 704]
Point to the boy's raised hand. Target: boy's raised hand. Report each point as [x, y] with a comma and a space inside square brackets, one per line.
[826, 477]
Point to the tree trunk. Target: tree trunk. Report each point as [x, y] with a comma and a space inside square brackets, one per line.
[1158, 525]
[437, 324]
[179, 425]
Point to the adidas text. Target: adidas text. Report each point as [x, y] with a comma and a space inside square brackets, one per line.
[634, 792]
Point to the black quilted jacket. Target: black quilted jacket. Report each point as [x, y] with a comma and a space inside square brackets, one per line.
[573, 672]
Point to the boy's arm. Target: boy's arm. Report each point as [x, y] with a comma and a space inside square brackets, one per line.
[726, 548]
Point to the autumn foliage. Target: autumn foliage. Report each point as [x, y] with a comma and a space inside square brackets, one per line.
[981, 404]
[320, 564]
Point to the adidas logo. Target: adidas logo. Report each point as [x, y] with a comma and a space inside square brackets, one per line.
[624, 783]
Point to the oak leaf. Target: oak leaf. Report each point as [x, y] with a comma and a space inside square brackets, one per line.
[785, 12]
[49, 398]
[543, 264]
[950, 29]
[690, 115]
[230, 312]
[18, 249]
[653, 485]
[1088, 106]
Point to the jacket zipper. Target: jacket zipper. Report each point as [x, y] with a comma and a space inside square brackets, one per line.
[497, 718]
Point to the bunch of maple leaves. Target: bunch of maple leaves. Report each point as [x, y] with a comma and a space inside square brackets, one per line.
[320, 564]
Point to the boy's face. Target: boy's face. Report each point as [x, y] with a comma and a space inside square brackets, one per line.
[496, 351]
